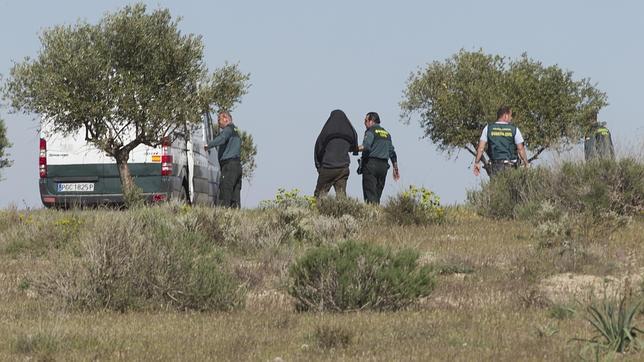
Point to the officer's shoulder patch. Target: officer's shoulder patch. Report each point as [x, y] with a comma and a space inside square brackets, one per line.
[382, 133]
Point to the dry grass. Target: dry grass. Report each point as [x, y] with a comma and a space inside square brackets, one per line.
[488, 305]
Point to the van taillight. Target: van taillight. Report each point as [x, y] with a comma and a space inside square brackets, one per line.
[42, 158]
[166, 158]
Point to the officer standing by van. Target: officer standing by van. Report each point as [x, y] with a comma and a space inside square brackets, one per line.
[228, 145]
[376, 149]
[504, 144]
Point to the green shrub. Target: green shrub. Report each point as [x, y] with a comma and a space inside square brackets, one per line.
[319, 229]
[565, 238]
[141, 259]
[595, 188]
[340, 206]
[355, 276]
[208, 221]
[134, 198]
[285, 199]
[416, 206]
[247, 231]
[500, 197]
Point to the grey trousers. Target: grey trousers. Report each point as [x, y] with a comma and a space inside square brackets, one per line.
[336, 177]
[230, 183]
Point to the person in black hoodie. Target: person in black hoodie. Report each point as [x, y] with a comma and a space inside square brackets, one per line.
[331, 154]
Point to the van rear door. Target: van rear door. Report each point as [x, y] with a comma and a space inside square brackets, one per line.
[74, 167]
[79, 173]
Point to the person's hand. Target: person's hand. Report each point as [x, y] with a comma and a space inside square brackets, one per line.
[396, 174]
[476, 168]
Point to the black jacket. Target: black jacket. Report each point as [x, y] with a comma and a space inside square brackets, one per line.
[336, 140]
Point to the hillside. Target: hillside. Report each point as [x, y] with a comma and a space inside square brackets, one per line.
[501, 291]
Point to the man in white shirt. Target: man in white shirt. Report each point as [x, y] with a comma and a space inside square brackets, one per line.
[503, 142]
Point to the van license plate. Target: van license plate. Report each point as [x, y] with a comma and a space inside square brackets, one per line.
[76, 187]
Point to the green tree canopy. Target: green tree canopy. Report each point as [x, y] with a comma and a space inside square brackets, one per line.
[456, 98]
[226, 87]
[131, 79]
[4, 144]
[247, 155]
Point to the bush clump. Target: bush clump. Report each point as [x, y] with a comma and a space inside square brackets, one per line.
[340, 206]
[416, 206]
[142, 260]
[287, 199]
[596, 188]
[353, 276]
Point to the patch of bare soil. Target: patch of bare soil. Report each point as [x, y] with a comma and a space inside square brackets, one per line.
[563, 288]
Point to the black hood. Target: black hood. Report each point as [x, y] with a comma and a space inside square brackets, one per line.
[337, 126]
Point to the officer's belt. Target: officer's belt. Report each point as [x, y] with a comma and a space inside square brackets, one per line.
[512, 162]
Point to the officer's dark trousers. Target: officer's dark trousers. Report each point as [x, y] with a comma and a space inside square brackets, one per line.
[336, 177]
[374, 175]
[498, 167]
[230, 183]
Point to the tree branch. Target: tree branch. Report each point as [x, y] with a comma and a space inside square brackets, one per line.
[470, 151]
[536, 155]
[124, 127]
[485, 162]
[117, 135]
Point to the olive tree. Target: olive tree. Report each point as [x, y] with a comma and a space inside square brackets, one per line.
[131, 79]
[4, 144]
[454, 99]
[247, 155]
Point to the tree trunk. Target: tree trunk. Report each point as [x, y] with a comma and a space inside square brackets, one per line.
[127, 183]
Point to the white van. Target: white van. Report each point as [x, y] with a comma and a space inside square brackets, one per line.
[74, 172]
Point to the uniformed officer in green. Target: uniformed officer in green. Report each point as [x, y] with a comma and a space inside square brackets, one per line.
[598, 142]
[377, 149]
[228, 145]
[504, 144]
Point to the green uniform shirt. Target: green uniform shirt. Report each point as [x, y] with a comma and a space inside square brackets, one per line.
[377, 144]
[228, 143]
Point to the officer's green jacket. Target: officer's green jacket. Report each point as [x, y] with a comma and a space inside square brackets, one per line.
[501, 141]
[229, 143]
[377, 144]
[599, 144]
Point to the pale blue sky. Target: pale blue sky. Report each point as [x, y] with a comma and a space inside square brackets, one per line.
[308, 58]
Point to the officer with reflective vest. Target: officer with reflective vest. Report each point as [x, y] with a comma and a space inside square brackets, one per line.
[504, 144]
[376, 149]
[598, 142]
[228, 145]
